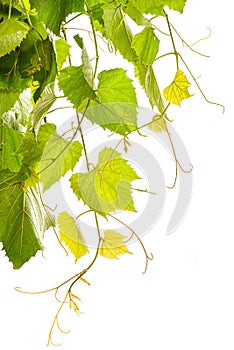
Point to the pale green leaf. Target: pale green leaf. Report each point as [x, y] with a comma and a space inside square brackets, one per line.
[12, 33]
[146, 45]
[9, 142]
[118, 31]
[45, 102]
[156, 6]
[86, 64]
[137, 16]
[23, 221]
[148, 81]
[74, 85]
[62, 49]
[59, 156]
[71, 235]
[177, 91]
[107, 188]
[18, 116]
[113, 245]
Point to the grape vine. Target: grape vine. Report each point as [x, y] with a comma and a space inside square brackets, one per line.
[39, 75]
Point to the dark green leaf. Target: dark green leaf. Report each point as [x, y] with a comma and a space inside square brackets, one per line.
[23, 221]
[53, 12]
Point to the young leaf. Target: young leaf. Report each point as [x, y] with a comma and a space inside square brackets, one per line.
[146, 45]
[58, 157]
[71, 235]
[62, 49]
[107, 188]
[74, 85]
[9, 142]
[177, 91]
[158, 124]
[113, 245]
[117, 106]
[12, 33]
[23, 221]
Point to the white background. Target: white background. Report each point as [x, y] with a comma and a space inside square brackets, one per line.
[186, 298]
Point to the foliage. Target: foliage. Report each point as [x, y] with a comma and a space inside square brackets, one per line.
[37, 71]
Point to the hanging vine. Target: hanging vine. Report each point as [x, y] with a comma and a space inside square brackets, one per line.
[37, 71]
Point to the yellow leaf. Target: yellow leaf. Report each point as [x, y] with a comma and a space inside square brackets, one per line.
[71, 235]
[113, 245]
[177, 91]
[158, 124]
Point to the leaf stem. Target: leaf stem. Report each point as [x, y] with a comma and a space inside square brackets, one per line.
[172, 40]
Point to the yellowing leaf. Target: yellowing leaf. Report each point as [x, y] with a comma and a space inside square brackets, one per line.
[158, 124]
[70, 234]
[113, 245]
[177, 91]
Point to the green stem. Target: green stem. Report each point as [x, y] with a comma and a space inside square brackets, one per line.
[10, 7]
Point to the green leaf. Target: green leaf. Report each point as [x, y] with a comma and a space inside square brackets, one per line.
[71, 235]
[12, 33]
[59, 156]
[86, 65]
[62, 49]
[53, 12]
[115, 86]
[43, 105]
[32, 147]
[9, 142]
[146, 45]
[177, 91]
[107, 188]
[136, 15]
[156, 6]
[117, 30]
[23, 221]
[116, 108]
[148, 81]
[113, 245]
[47, 59]
[74, 85]
[7, 99]
[18, 116]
